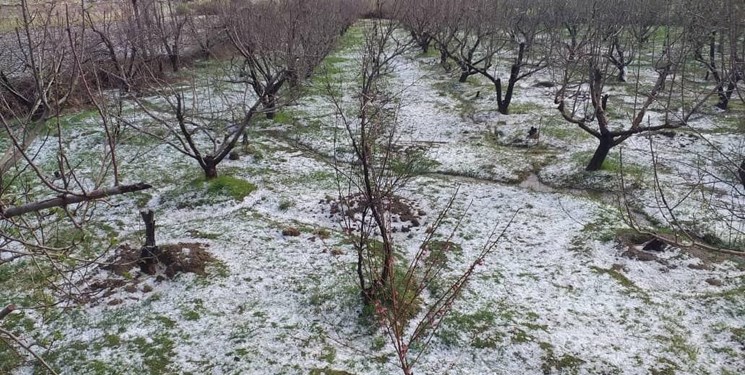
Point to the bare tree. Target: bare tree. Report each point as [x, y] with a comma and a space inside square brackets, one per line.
[40, 84]
[277, 42]
[718, 39]
[589, 102]
[420, 18]
[523, 28]
[397, 293]
[48, 194]
[469, 35]
[170, 18]
[267, 36]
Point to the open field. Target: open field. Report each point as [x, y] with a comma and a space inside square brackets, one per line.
[562, 294]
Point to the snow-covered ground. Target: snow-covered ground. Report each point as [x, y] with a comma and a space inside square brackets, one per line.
[556, 297]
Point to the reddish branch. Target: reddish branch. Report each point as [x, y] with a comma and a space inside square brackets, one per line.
[7, 310]
[67, 199]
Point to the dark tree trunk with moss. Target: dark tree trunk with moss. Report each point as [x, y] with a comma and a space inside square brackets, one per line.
[601, 153]
[270, 106]
[210, 167]
[463, 75]
[725, 94]
[503, 103]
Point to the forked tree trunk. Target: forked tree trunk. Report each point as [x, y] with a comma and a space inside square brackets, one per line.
[725, 94]
[503, 104]
[424, 45]
[270, 106]
[209, 167]
[606, 143]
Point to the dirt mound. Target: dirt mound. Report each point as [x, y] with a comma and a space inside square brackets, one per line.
[172, 259]
[122, 271]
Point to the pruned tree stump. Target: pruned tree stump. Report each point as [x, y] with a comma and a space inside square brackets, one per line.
[149, 252]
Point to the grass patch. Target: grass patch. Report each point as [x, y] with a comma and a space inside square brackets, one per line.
[157, 353]
[284, 117]
[232, 186]
[525, 108]
[617, 276]
[353, 37]
[328, 371]
[564, 364]
[200, 192]
[624, 281]
[9, 358]
[476, 325]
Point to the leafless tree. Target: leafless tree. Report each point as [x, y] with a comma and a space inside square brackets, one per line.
[718, 39]
[41, 78]
[277, 43]
[582, 101]
[469, 36]
[46, 191]
[420, 18]
[523, 29]
[396, 292]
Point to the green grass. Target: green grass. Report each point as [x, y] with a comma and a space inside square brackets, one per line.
[232, 186]
[617, 276]
[9, 358]
[564, 364]
[526, 108]
[628, 285]
[327, 371]
[352, 38]
[476, 326]
[284, 117]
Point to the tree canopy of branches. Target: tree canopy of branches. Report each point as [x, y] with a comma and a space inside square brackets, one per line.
[581, 98]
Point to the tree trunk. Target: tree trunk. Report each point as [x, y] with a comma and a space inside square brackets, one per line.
[621, 74]
[725, 95]
[606, 143]
[209, 167]
[149, 252]
[463, 76]
[270, 106]
[174, 62]
[7, 310]
[503, 104]
[741, 173]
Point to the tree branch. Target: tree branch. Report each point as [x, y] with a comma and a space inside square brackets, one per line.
[67, 199]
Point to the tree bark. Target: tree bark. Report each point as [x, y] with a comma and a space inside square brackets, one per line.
[149, 252]
[503, 104]
[7, 310]
[270, 106]
[606, 143]
[725, 95]
[209, 167]
[174, 58]
[67, 199]
[741, 173]
[463, 76]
